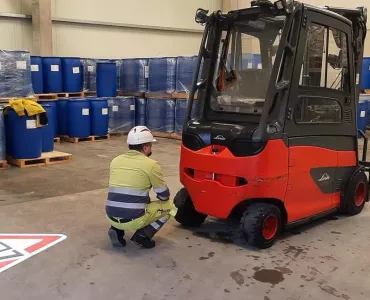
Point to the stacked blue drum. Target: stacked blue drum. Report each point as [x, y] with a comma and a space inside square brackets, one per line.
[161, 114]
[2, 135]
[365, 81]
[62, 116]
[89, 74]
[78, 118]
[48, 131]
[15, 75]
[180, 112]
[106, 79]
[134, 75]
[162, 75]
[52, 74]
[54, 111]
[23, 137]
[362, 115]
[185, 70]
[140, 111]
[121, 114]
[72, 75]
[36, 73]
[99, 116]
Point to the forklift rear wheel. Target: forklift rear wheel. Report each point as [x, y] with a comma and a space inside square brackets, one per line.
[186, 214]
[261, 224]
[357, 194]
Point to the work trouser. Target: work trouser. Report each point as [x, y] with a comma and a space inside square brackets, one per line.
[156, 215]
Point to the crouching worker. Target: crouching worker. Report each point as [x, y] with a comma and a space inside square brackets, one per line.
[132, 175]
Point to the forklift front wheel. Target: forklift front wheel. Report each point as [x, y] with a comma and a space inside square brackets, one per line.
[186, 214]
[356, 194]
[261, 224]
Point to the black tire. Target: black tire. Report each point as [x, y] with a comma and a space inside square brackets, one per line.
[253, 222]
[186, 214]
[356, 195]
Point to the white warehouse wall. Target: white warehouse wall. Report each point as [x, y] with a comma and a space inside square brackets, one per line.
[16, 34]
[166, 27]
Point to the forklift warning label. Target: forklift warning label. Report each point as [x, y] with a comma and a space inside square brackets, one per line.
[16, 248]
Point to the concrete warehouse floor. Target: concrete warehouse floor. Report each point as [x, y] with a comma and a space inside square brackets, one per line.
[325, 260]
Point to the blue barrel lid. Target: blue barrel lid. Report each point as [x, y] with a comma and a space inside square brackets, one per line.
[70, 57]
[106, 62]
[37, 56]
[46, 105]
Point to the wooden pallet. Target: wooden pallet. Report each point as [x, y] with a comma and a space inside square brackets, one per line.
[40, 97]
[131, 94]
[48, 158]
[159, 95]
[183, 96]
[91, 138]
[3, 164]
[167, 135]
[5, 100]
[57, 140]
[118, 133]
[71, 95]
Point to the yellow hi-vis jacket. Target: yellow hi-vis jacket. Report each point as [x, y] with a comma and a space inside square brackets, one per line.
[132, 175]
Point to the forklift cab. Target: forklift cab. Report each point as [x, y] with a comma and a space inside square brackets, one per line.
[274, 133]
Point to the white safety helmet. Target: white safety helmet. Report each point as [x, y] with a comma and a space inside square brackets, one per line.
[140, 135]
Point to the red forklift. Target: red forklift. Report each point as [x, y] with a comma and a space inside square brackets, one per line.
[272, 137]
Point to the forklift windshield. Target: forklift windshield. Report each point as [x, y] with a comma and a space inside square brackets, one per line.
[246, 57]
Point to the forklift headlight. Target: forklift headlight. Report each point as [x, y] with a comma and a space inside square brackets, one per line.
[287, 5]
[201, 16]
[364, 12]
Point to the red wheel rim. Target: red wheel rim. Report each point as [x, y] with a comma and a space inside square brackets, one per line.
[360, 194]
[270, 227]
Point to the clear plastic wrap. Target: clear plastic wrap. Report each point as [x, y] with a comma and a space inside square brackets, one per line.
[162, 75]
[2, 135]
[89, 74]
[121, 112]
[160, 115]
[185, 69]
[140, 111]
[118, 65]
[180, 112]
[15, 74]
[134, 75]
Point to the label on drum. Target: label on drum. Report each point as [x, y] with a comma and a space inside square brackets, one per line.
[90, 68]
[115, 107]
[34, 68]
[259, 66]
[358, 78]
[30, 124]
[146, 71]
[85, 111]
[104, 111]
[54, 68]
[132, 107]
[250, 65]
[363, 114]
[76, 70]
[21, 65]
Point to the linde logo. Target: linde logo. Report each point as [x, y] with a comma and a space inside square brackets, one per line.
[324, 177]
[220, 138]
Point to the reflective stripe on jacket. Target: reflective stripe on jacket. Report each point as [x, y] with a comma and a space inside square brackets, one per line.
[132, 175]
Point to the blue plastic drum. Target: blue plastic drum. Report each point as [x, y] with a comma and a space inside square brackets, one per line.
[37, 76]
[48, 130]
[99, 116]
[72, 74]
[52, 74]
[23, 137]
[106, 79]
[78, 118]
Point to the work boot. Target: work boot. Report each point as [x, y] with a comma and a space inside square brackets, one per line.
[116, 237]
[142, 240]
